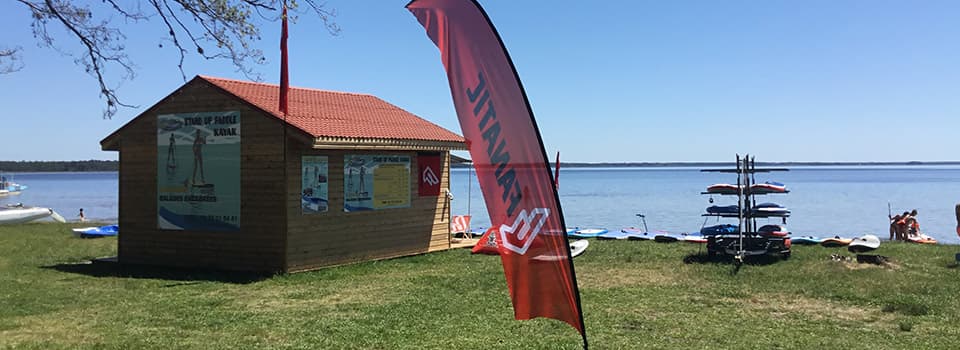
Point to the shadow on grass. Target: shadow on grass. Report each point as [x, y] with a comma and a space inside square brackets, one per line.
[701, 258]
[191, 276]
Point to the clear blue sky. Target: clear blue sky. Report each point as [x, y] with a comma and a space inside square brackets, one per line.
[611, 81]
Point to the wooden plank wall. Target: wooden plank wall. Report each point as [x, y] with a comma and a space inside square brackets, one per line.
[336, 237]
[258, 246]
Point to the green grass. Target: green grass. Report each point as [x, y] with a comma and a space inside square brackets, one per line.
[636, 295]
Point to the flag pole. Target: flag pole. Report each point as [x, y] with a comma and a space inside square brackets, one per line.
[283, 106]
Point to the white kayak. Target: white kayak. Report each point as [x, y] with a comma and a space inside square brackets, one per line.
[864, 243]
[21, 214]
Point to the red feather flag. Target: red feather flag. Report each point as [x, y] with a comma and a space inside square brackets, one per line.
[284, 78]
[511, 163]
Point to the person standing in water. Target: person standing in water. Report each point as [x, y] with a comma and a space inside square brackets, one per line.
[198, 142]
[83, 218]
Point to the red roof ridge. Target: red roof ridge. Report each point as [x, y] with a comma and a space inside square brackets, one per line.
[212, 79]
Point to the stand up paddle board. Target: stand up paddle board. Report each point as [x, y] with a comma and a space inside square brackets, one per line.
[864, 243]
[637, 234]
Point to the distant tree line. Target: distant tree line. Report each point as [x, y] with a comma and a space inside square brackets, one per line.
[725, 164]
[59, 166]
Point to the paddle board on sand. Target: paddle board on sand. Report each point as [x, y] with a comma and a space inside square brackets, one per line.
[864, 243]
[922, 239]
[97, 232]
[614, 235]
[836, 241]
[587, 233]
[578, 247]
[637, 234]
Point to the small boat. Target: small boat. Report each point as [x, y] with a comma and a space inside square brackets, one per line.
[18, 213]
[836, 241]
[921, 239]
[96, 232]
[587, 233]
[10, 186]
[864, 243]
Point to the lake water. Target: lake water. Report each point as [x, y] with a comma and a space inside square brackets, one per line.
[66, 193]
[824, 201]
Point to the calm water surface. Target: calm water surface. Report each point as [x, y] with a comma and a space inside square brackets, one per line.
[824, 201]
[66, 193]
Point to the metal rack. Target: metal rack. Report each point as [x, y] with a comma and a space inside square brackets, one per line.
[748, 241]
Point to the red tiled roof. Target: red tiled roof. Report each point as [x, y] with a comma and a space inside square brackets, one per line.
[337, 114]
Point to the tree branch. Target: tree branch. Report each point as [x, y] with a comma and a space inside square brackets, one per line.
[225, 26]
[10, 60]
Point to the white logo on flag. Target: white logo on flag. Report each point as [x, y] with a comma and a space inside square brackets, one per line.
[429, 177]
[522, 229]
[460, 223]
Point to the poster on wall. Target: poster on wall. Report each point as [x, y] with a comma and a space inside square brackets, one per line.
[198, 171]
[373, 182]
[313, 185]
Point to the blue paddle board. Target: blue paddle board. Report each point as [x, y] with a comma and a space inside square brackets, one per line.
[587, 233]
[637, 234]
[614, 235]
[97, 232]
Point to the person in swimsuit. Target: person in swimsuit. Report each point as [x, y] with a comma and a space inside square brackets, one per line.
[957, 209]
[894, 231]
[901, 224]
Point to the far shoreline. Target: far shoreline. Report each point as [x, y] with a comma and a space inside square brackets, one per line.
[730, 164]
[458, 162]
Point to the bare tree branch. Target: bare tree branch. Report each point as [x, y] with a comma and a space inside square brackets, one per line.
[10, 60]
[217, 29]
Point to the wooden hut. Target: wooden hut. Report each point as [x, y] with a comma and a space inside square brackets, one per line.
[215, 176]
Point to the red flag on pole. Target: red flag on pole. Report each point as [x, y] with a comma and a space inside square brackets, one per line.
[284, 79]
[510, 160]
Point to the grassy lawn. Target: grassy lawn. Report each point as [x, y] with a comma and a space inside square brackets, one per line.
[636, 295]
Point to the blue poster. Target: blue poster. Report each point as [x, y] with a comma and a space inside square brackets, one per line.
[198, 171]
[313, 184]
